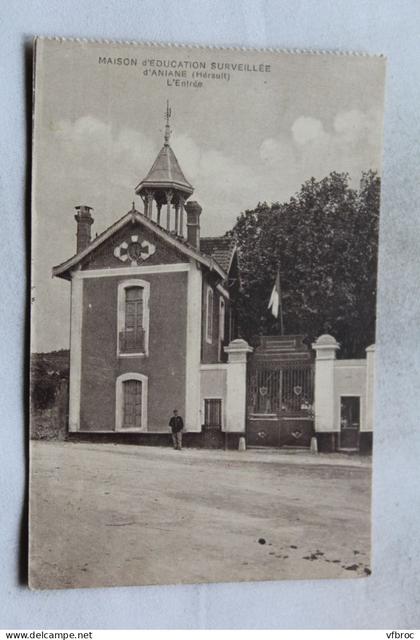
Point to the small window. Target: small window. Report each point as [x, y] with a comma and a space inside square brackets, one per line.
[213, 413]
[209, 316]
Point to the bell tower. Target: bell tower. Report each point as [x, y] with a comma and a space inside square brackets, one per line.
[165, 189]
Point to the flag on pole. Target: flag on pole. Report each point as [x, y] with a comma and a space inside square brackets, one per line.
[275, 301]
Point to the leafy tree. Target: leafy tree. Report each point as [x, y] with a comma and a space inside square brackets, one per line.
[324, 240]
[48, 370]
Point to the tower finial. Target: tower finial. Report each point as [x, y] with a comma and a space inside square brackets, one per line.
[167, 127]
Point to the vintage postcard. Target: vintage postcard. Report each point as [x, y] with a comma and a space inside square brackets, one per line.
[204, 271]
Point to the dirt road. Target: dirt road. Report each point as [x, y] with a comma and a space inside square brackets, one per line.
[124, 515]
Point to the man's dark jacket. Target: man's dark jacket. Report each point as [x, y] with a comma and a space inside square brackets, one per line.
[176, 423]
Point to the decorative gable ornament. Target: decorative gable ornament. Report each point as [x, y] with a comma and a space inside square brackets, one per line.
[134, 251]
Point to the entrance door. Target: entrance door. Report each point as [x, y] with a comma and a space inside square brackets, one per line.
[212, 427]
[264, 405]
[132, 404]
[350, 422]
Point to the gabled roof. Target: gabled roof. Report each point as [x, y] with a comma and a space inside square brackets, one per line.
[222, 249]
[165, 173]
[63, 270]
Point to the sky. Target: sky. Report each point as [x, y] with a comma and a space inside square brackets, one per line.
[256, 137]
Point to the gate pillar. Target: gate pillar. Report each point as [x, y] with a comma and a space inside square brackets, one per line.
[325, 347]
[236, 385]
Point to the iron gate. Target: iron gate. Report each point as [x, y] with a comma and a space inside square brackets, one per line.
[280, 394]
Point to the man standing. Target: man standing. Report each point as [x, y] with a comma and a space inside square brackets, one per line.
[177, 424]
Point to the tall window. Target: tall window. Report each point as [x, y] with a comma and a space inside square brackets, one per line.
[221, 326]
[209, 315]
[131, 402]
[133, 317]
[133, 339]
[221, 319]
[213, 413]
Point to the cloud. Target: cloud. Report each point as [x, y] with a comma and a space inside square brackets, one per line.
[95, 150]
[306, 130]
[357, 126]
[223, 186]
[188, 154]
[211, 167]
[279, 153]
[351, 144]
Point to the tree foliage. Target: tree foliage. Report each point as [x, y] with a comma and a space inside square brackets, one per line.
[324, 240]
[48, 370]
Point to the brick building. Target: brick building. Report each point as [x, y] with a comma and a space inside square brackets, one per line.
[153, 323]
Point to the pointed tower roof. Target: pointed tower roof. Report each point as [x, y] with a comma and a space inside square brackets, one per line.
[166, 172]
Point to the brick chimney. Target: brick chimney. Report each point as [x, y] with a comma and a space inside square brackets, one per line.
[84, 222]
[193, 210]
